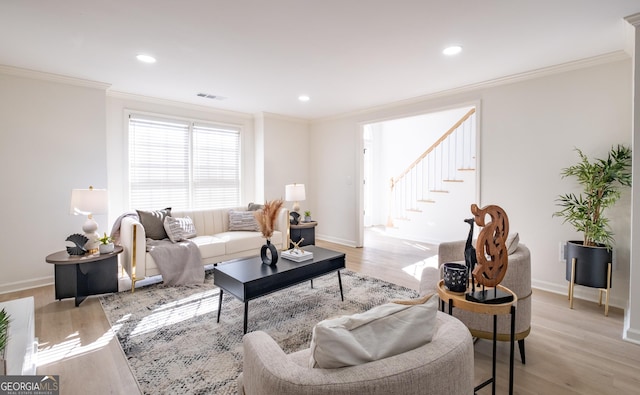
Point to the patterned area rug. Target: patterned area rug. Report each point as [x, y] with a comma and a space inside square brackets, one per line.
[174, 345]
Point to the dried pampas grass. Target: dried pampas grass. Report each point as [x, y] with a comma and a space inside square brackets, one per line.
[266, 216]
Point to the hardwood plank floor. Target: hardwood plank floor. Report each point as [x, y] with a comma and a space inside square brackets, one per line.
[576, 351]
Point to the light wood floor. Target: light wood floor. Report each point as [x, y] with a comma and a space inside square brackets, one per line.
[568, 351]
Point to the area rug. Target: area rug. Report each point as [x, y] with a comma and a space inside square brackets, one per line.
[174, 345]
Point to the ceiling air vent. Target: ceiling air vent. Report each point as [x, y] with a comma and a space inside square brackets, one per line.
[210, 96]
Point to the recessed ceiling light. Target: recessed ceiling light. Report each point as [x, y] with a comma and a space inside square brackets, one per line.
[304, 98]
[452, 50]
[146, 58]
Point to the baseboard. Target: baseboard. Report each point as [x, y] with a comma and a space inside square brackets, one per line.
[631, 335]
[26, 284]
[348, 243]
[579, 292]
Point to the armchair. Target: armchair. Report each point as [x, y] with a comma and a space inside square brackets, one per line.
[443, 366]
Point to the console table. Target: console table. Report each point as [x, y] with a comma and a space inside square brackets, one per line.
[304, 230]
[459, 301]
[79, 276]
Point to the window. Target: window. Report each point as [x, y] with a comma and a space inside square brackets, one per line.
[182, 164]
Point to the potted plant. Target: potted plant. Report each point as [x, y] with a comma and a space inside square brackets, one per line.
[307, 216]
[601, 181]
[106, 244]
[4, 327]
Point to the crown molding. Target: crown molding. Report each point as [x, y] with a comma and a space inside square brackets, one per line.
[528, 75]
[270, 115]
[179, 104]
[633, 19]
[63, 79]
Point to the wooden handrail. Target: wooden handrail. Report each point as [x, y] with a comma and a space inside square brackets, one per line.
[433, 146]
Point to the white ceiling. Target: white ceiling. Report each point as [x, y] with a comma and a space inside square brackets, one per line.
[346, 55]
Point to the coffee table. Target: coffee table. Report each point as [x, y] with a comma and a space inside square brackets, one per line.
[248, 279]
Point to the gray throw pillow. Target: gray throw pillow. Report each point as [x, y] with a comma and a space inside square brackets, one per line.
[243, 220]
[179, 228]
[255, 206]
[153, 222]
[173, 229]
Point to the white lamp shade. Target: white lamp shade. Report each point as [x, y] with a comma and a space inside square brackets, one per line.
[89, 201]
[294, 192]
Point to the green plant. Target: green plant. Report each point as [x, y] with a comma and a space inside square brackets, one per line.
[4, 325]
[307, 213]
[601, 181]
[105, 239]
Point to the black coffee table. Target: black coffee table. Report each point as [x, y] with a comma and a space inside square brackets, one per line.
[248, 279]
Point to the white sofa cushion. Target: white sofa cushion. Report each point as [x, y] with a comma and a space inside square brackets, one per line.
[381, 332]
[210, 246]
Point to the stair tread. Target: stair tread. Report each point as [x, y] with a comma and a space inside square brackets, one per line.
[414, 210]
[452, 180]
[426, 201]
[466, 169]
[438, 191]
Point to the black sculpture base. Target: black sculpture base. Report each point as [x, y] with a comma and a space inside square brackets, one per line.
[489, 296]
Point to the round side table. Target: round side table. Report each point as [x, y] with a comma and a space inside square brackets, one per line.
[79, 276]
[459, 301]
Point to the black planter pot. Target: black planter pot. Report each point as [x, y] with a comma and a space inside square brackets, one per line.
[592, 264]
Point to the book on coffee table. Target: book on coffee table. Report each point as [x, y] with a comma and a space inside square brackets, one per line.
[297, 255]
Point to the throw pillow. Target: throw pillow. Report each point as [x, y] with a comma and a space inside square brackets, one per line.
[243, 220]
[512, 243]
[381, 332]
[188, 228]
[153, 222]
[255, 207]
[173, 229]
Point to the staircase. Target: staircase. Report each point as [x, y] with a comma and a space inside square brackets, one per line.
[432, 175]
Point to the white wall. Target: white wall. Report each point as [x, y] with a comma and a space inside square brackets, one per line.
[528, 131]
[632, 313]
[52, 140]
[286, 157]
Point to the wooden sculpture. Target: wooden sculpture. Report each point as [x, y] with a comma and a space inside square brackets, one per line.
[491, 243]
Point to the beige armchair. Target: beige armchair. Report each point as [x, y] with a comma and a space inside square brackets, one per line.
[443, 366]
[517, 279]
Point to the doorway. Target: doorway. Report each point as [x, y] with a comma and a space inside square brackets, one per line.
[420, 175]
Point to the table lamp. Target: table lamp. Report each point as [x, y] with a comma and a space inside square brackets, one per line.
[89, 202]
[294, 193]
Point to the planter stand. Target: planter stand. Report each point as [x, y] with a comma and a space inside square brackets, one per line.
[606, 290]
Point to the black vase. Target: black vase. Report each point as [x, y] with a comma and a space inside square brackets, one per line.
[269, 254]
[592, 264]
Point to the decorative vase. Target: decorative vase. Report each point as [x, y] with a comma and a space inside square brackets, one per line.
[592, 264]
[106, 248]
[455, 277]
[269, 254]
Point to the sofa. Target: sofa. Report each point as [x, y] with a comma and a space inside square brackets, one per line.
[517, 279]
[443, 366]
[215, 238]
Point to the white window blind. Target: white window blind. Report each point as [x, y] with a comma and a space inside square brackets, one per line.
[180, 164]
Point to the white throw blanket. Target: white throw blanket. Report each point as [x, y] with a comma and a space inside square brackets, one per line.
[179, 263]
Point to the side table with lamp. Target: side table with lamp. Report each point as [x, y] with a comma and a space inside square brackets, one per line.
[81, 271]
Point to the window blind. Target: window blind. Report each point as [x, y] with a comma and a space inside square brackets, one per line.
[180, 164]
